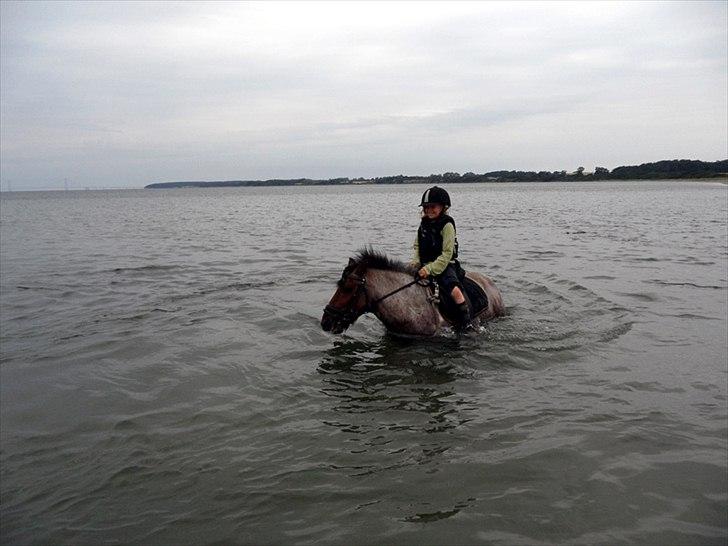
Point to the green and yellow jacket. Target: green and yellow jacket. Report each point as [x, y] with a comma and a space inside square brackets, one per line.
[436, 244]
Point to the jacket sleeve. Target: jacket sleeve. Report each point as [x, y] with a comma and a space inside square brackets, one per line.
[416, 249]
[448, 247]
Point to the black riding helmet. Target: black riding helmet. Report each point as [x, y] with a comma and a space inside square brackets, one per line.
[435, 195]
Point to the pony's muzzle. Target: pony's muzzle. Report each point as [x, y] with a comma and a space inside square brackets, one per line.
[333, 322]
[327, 323]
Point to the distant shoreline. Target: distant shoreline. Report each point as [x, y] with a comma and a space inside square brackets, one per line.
[678, 169]
[717, 179]
[721, 180]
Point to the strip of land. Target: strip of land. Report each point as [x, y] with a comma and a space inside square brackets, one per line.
[660, 170]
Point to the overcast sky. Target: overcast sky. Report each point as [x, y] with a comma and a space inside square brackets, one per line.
[124, 94]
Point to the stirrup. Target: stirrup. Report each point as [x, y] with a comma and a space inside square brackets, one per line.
[434, 297]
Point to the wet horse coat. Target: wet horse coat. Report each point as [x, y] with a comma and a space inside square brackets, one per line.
[366, 284]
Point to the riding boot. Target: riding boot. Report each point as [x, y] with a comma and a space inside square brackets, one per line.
[462, 320]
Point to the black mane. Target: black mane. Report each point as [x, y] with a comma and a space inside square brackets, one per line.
[370, 258]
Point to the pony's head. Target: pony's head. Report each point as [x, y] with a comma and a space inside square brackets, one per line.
[349, 301]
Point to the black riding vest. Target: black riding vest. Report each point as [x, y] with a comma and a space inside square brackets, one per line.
[429, 238]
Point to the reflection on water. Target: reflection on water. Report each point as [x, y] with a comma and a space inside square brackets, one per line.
[393, 398]
[420, 356]
[380, 371]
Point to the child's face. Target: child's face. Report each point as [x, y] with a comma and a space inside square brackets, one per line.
[432, 210]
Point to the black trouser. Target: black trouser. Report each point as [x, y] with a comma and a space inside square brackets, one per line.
[447, 280]
[450, 278]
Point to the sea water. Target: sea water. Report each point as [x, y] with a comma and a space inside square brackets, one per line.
[164, 378]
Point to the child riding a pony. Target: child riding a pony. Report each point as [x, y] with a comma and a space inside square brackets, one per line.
[436, 250]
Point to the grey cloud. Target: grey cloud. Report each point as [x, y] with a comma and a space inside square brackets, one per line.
[455, 120]
[88, 85]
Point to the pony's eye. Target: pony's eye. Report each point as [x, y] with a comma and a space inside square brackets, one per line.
[343, 287]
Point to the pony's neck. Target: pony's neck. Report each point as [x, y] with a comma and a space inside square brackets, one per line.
[408, 311]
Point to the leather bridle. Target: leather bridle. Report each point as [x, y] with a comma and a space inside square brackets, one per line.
[348, 316]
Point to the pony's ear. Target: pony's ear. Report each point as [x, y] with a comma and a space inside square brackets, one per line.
[352, 263]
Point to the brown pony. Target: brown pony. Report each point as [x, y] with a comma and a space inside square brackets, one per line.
[373, 283]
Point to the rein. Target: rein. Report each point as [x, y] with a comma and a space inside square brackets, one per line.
[372, 305]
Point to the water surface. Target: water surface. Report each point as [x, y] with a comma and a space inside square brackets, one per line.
[164, 378]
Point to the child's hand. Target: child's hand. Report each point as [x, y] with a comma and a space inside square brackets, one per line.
[423, 273]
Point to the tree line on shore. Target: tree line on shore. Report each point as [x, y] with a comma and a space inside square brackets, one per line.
[660, 170]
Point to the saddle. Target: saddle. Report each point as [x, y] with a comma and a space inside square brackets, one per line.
[474, 295]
